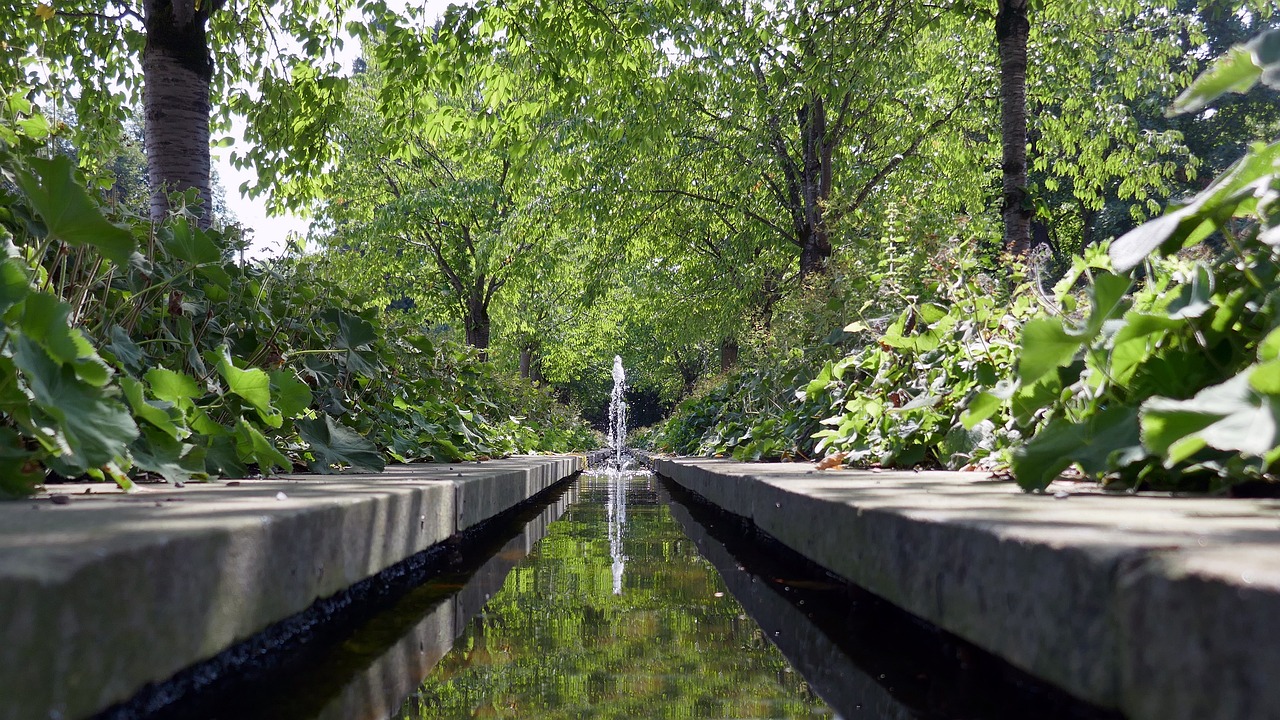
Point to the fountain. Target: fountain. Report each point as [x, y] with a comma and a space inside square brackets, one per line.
[618, 413]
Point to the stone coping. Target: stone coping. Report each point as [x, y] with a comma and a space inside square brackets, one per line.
[102, 592]
[1160, 606]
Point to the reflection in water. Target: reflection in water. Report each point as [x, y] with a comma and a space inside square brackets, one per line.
[560, 640]
[617, 520]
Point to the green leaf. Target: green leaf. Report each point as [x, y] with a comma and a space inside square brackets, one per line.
[1046, 346]
[336, 446]
[93, 430]
[292, 395]
[1231, 416]
[1235, 71]
[14, 283]
[253, 385]
[253, 446]
[1193, 222]
[161, 417]
[185, 241]
[20, 469]
[68, 211]
[1092, 444]
[176, 461]
[983, 406]
[1269, 348]
[170, 386]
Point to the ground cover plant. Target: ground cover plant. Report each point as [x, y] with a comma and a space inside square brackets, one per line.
[135, 348]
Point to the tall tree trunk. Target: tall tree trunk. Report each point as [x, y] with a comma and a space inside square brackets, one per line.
[526, 362]
[477, 322]
[728, 353]
[815, 185]
[177, 69]
[1012, 30]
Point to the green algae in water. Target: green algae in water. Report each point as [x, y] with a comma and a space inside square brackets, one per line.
[557, 641]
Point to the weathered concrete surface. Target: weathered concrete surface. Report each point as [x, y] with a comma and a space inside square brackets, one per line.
[109, 592]
[1163, 607]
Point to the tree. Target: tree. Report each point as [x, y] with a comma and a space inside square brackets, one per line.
[444, 196]
[1012, 31]
[185, 61]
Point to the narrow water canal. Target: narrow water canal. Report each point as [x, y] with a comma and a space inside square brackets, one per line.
[614, 614]
[622, 596]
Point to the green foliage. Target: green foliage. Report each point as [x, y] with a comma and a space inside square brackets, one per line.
[128, 348]
[897, 399]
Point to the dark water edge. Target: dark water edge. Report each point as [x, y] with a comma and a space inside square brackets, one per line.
[866, 657]
[316, 663]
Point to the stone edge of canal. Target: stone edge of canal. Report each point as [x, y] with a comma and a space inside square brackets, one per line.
[115, 606]
[1150, 606]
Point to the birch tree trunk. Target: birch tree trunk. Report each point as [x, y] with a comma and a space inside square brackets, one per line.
[177, 70]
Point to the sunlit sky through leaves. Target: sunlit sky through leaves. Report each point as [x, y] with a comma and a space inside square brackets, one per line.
[269, 233]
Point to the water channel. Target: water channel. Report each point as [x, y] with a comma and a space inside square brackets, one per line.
[619, 595]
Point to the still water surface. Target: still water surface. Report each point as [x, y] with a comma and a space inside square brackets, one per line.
[625, 597]
[614, 614]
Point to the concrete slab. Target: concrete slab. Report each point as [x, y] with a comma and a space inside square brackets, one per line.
[102, 593]
[1133, 602]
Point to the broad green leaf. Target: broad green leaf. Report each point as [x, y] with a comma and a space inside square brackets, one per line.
[983, 406]
[292, 395]
[184, 241]
[1188, 224]
[253, 385]
[1235, 71]
[1046, 346]
[1133, 344]
[161, 417]
[14, 283]
[1269, 348]
[1107, 293]
[1231, 416]
[170, 386]
[176, 461]
[1091, 444]
[20, 468]
[337, 446]
[94, 429]
[69, 212]
[253, 446]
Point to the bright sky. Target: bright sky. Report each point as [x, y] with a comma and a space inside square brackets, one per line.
[270, 233]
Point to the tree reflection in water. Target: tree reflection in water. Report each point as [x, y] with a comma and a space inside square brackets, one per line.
[562, 639]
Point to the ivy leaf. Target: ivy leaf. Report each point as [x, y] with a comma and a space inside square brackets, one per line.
[253, 385]
[1231, 416]
[94, 429]
[1046, 346]
[336, 445]
[1091, 444]
[68, 211]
